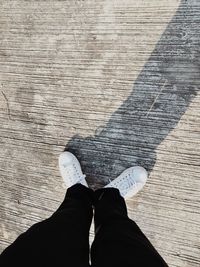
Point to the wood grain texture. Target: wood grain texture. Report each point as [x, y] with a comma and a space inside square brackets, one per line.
[116, 82]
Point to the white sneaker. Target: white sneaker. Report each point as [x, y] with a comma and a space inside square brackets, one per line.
[70, 169]
[130, 181]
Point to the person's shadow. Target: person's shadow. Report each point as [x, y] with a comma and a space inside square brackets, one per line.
[160, 96]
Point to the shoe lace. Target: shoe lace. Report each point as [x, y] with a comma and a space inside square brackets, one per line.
[74, 171]
[128, 182]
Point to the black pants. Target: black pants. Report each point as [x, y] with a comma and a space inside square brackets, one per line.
[63, 239]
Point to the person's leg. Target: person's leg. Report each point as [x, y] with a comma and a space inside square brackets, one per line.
[61, 240]
[118, 240]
